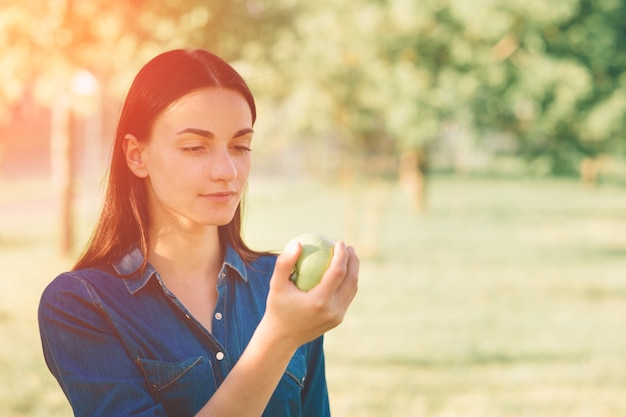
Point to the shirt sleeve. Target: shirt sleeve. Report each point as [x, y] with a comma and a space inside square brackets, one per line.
[315, 401]
[86, 357]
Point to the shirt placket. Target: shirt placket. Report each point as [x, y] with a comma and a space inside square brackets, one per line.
[220, 357]
[219, 323]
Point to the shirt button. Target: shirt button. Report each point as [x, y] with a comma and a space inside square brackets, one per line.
[187, 315]
[219, 356]
[218, 316]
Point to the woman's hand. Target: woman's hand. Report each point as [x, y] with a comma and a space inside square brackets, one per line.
[292, 318]
[298, 317]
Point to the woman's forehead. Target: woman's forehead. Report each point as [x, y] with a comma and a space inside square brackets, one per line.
[208, 107]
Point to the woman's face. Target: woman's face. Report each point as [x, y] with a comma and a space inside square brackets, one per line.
[197, 159]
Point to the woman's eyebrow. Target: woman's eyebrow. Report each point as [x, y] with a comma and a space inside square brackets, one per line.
[200, 132]
[243, 132]
[210, 135]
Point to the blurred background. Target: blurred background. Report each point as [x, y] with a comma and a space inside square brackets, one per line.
[473, 152]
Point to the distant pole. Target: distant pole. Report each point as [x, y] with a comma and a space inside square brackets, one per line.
[80, 98]
[62, 161]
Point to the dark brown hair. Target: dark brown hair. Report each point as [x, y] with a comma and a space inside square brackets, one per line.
[124, 220]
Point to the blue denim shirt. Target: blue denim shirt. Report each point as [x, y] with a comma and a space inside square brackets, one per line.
[128, 347]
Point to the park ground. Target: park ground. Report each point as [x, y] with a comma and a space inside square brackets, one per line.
[505, 298]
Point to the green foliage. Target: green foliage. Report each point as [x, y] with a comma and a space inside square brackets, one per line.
[362, 77]
[46, 42]
[563, 95]
[550, 73]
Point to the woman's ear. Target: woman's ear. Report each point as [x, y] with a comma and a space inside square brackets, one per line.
[134, 152]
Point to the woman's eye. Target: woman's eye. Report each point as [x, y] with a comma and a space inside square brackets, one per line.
[241, 148]
[193, 149]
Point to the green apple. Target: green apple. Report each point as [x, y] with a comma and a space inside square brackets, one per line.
[317, 252]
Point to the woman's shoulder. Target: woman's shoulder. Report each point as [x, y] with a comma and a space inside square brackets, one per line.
[265, 259]
[79, 282]
[249, 261]
[262, 267]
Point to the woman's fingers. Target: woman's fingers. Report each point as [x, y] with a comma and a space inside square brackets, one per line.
[336, 271]
[338, 287]
[349, 285]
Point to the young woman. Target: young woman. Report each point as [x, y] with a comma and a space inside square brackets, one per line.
[168, 312]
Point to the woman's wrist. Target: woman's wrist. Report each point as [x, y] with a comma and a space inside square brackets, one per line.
[274, 338]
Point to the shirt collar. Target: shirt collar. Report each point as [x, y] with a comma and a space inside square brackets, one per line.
[233, 261]
[128, 267]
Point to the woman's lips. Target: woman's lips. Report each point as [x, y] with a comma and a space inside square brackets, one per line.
[220, 197]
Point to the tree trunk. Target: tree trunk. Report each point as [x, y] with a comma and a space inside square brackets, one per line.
[590, 168]
[63, 174]
[413, 179]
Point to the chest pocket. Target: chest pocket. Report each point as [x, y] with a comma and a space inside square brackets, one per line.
[287, 398]
[182, 388]
[296, 369]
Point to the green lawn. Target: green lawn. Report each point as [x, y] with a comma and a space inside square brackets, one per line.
[506, 298]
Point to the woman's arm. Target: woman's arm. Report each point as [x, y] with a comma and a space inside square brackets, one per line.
[292, 318]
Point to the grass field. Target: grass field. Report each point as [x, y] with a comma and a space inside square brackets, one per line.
[505, 299]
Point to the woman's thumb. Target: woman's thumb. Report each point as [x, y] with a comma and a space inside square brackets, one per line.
[286, 261]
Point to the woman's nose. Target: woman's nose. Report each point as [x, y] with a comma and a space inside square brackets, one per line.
[223, 167]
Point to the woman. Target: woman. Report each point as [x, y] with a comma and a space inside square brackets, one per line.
[168, 312]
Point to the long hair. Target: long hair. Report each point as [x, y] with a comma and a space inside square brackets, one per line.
[124, 220]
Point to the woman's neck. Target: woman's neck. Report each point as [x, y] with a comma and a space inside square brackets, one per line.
[186, 256]
[189, 264]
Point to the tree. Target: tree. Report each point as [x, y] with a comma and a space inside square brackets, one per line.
[561, 88]
[379, 80]
[45, 42]
[391, 77]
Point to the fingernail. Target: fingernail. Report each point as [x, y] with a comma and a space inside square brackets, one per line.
[292, 247]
